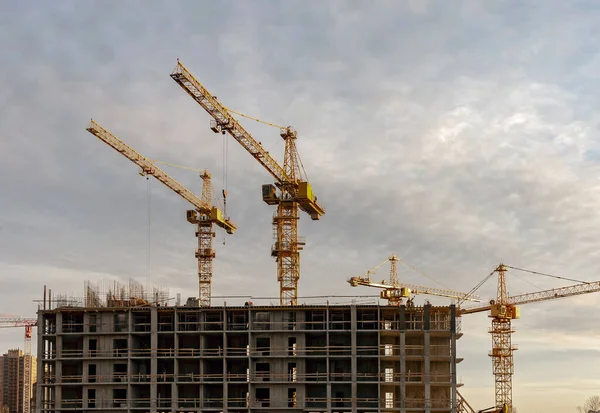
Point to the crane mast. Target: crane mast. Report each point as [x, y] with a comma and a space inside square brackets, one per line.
[204, 216]
[294, 192]
[502, 348]
[503, 310]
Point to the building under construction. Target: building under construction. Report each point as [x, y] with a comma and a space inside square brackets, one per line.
[127, 352]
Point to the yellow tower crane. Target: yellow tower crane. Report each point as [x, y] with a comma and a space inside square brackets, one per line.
[295, 192]
[503, 310]
[395, 291]
[204, 216]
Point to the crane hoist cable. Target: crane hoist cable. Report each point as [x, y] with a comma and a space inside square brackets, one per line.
[224, 179]
[148, 224]
[268, 124]
[225, 169]
[218, 201]
[474, 289]
[256, 119]
[177, 166]
[422, 273]
[527, 281]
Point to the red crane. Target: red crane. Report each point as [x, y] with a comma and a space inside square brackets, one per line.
[7, 321]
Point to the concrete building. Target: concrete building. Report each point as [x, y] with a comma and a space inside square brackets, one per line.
[17, 376]
[329, 358]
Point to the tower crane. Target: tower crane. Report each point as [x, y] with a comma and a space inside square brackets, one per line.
[295, 192]
[503, 310]
[395, 291]
[203, 216]
[7, 321]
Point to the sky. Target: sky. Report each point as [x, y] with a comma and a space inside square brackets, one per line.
[457, 135]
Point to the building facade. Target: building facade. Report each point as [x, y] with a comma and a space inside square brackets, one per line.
[332, 358]
[17, 375]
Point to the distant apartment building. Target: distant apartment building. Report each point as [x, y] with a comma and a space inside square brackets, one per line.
[18, 374]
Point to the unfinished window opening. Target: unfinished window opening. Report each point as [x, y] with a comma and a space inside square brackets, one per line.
[339, 399]
[93, 320]
[214, 321]
[315, 320]
[263, 371]
[339, 320]
[367, 320]
[262, 321]
[120, 372]
[72, 323]
[91, 373]
[120, 321]
[120, 347]
[93, 347]
[119, 397]
[142, 321]
[263, 346]
[289, 319]
[189, 321]
[291, 346]
[166, 321]
[414, 371]
[237, 321]
[91, 395]
[292, 397]
[263, 397]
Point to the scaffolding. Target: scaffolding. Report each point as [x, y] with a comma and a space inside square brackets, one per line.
[108, 294]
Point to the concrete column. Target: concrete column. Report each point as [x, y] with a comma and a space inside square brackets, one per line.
[174, 387]
[327, 361]
[201, 367]
[130, 329]
[427, 372]
[402, 328]
[427, 354]
[251, 345]
[40, 363]
[379, 323]
[402, 372]
[153, 360]
[58, 353]
[353, 324]
[225, 379]
[453, 357]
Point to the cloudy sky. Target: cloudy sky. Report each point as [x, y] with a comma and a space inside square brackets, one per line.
[457, 135]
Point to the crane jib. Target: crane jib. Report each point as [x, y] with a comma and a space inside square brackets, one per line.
[225, 122]
[151, 169]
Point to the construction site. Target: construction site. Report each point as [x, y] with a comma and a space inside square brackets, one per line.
[128, 347]
[123, 355]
